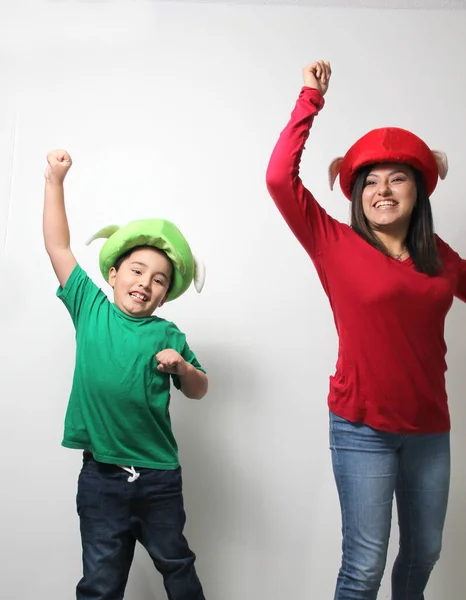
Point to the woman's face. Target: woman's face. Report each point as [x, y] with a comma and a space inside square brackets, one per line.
[389, 195]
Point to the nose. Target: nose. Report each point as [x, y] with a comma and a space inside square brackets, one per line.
[383, 189]
[145, 283]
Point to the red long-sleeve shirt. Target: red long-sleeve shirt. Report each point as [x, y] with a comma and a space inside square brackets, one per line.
[390, 371]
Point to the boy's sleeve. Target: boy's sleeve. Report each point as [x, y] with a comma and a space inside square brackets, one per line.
[182, 347]
[79, 294]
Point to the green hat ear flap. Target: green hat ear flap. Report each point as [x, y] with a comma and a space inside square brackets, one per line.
[199, 274]
[104, 233]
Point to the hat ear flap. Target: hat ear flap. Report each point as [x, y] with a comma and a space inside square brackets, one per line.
[442, 163]
[105, 233]
[199, 274]
[334, 170]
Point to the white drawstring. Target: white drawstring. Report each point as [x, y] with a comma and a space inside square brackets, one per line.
[133, 473]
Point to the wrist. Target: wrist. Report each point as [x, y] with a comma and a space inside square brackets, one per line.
[314, 95]
[54, 183]
[185, 369]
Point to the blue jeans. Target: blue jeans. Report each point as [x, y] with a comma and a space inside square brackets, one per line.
[114, 513]
[370, 467]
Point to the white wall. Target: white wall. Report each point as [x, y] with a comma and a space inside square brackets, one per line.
[172, 111]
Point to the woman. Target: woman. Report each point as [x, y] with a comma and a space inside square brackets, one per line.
[390, 281]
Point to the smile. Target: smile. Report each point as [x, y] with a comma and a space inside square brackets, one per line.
[138, 297]
[385, 204]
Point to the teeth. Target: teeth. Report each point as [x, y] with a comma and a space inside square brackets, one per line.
[385, 203]
[140, 296]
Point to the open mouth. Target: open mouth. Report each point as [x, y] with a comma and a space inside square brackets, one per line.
[139, 297]
[385, 204]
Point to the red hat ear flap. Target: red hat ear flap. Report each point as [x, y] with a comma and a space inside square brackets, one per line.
[333, 170]
[442, 163]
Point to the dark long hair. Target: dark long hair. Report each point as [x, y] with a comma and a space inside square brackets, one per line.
[420, 240]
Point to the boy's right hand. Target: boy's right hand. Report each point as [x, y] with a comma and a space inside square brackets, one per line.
[59, 163]
[317, 76]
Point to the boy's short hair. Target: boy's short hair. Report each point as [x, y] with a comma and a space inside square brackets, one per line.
[121, 259]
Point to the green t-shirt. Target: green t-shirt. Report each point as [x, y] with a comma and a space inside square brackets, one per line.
[119, 403]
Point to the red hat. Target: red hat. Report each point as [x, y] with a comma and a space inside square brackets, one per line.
[386, 145]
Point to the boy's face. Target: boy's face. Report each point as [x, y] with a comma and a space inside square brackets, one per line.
[141, 283]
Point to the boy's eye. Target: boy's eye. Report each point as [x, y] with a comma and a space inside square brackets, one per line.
[137, 271]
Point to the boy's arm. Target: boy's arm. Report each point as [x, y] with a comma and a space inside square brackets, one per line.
[193, 382]
[55, 222]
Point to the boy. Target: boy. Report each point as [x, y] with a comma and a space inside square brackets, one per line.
[118, 409]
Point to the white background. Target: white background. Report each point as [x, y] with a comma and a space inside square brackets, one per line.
[172, 110]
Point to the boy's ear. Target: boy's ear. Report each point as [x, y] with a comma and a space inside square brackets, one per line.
[164, 299]
[112, 276]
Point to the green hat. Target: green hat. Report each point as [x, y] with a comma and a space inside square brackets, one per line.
[157, 233]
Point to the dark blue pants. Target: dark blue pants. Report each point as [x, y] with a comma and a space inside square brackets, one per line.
[114, 513]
